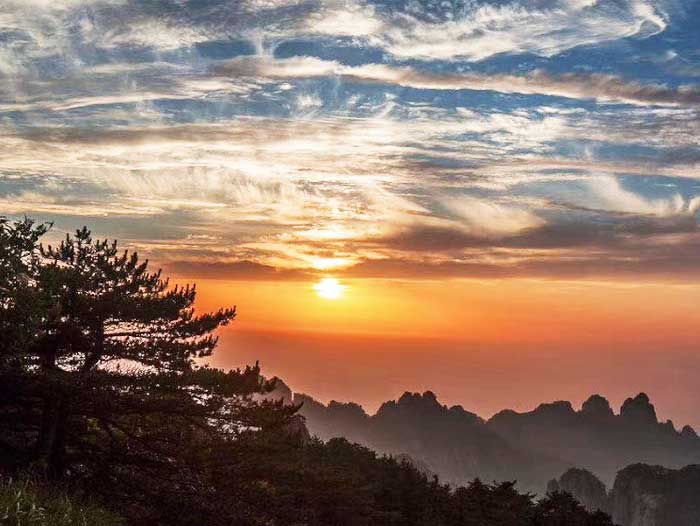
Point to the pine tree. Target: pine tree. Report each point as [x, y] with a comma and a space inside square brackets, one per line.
[100, 370]
[18, 255]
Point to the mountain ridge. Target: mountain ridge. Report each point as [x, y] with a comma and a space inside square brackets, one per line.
[531, 447]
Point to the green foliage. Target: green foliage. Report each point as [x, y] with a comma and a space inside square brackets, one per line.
[24, 504]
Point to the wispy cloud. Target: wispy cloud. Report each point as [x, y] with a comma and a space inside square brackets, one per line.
[272, 139]
[479, 30]
[606, 88]
[489, 217]
[610, 195]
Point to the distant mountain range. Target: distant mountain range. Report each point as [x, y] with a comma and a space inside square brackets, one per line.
[532, 447]
[598, 439]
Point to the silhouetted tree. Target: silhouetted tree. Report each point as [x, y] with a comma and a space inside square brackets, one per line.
[561, 509]
[19, 254]
[99, 371]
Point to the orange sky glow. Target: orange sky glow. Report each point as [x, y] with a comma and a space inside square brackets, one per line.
[484, 344]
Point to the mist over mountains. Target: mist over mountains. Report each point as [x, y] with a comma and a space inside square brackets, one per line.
[531, 447]
[598, 439]
[455, 444]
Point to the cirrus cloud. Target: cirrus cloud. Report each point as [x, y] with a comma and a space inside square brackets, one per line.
[605, 88]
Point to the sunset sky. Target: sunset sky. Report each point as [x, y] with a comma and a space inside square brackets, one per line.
[507, 194]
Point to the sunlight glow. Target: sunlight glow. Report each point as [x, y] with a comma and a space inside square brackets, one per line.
[330, 263]
[329, 288]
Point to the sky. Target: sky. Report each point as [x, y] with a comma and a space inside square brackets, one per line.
[508, 193]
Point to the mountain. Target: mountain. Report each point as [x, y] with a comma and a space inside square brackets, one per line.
[642, 495]
[280, 392]
[585, 486]
[531, 447]
[597, 438]
[449, 441]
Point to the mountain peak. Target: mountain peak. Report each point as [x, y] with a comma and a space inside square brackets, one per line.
[558, 407]
[688, 432]
[639, 409]
[427, 398]
[279, 391]
[350, 409]
[597, 406]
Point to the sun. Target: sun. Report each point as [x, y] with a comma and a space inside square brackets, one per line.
[330, 289]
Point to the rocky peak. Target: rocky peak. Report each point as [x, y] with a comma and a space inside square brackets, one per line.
[553, 486]
[427, 398]
[418, 464]
[458, 411]
[688, 433]
[585, 486]
[558, 408]
[597, 407]
[296, 429]
[669, 427]
[639, 410]
[349, 409]
[642, 495]
[426, 402]
[280, 391]
[638, 495]
[307, 402]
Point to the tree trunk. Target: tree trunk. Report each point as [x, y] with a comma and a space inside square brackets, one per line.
[51, 443]
[57, 456]
[47, 433]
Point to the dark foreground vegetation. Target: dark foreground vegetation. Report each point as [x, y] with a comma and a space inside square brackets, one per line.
[102, 401]
[24, 503]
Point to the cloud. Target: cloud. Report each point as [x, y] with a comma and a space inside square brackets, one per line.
[235, 270]
[341, 192]
[485, 217]
[306, 101]
[59, 5]
[600, 87]
[111, 85]
[678, 265]
[609, 194]
[479, 30]
[147, 121]
[600, 246]
[411, 30]
[348, 20]
[585, 232]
